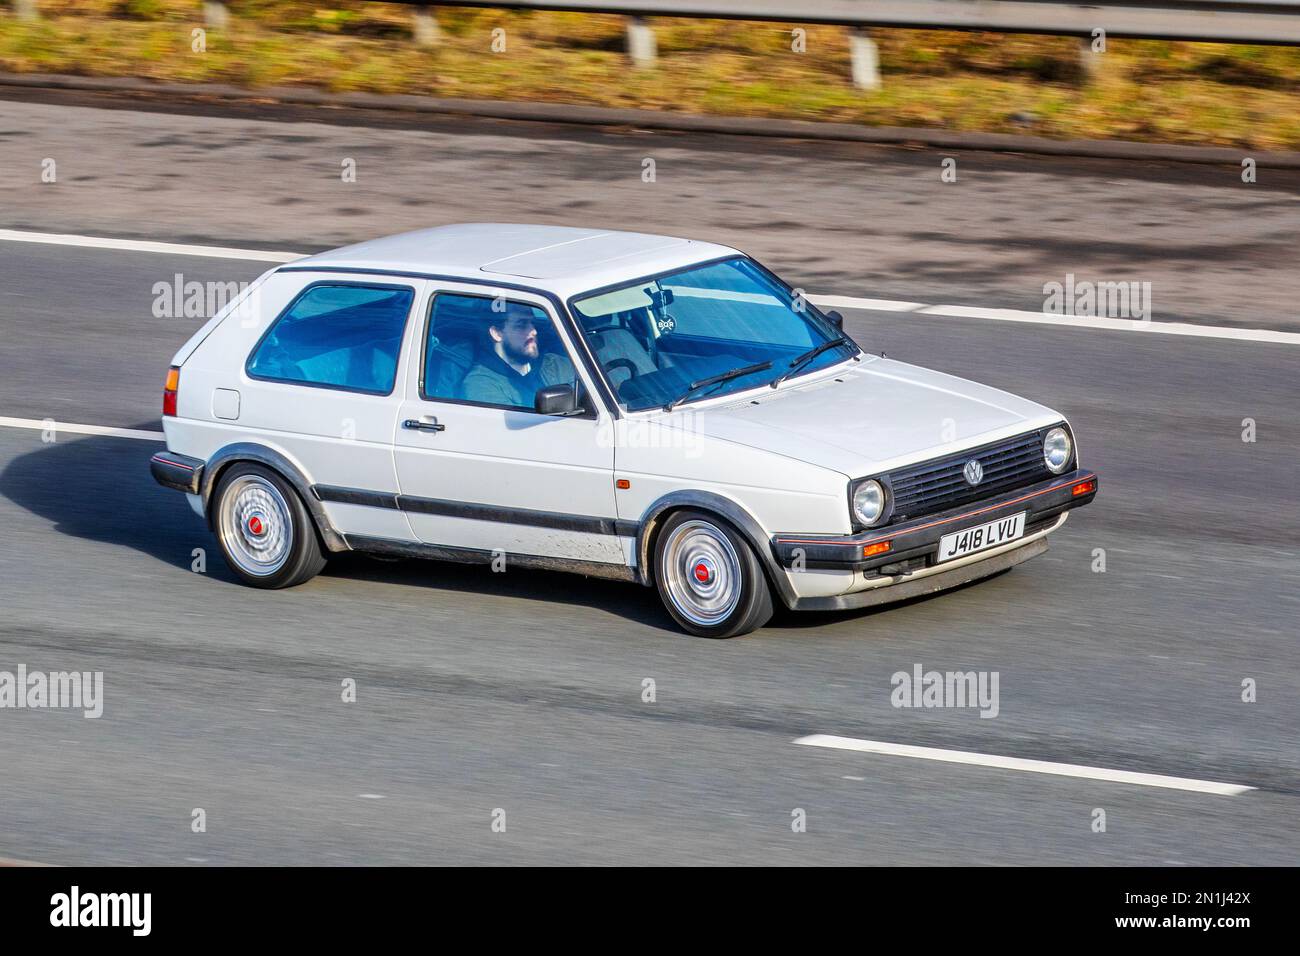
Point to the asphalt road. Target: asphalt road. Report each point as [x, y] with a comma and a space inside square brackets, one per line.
[842, 218]
[523, 691]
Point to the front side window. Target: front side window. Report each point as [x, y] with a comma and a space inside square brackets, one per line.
[491, 351]
[655, 338]
[337, 336]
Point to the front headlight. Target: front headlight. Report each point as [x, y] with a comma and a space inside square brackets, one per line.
[869, 501]
[1057, 450]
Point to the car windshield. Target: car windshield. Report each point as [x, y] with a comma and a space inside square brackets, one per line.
[660, 341]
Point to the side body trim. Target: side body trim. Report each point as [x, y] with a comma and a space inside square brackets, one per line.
[477, 512]
[438, 552]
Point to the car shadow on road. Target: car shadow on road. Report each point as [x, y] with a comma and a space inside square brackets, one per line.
[99, 488]
[621, 598]
[813, 619]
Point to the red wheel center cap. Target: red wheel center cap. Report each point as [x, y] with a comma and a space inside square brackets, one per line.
[702, 573]
[255, 525]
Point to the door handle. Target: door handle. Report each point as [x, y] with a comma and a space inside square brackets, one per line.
[424, 426]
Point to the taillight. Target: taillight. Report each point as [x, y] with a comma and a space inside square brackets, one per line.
[169, 391]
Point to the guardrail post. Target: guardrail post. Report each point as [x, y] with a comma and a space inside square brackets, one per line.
[425, 27]
[640, 42]
[216, 15]
[865, 59]
[1090, 59]
[26, 10]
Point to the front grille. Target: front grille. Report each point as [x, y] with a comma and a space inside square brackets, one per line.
[938, 485]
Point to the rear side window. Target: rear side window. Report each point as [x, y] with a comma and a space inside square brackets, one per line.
[337, 335]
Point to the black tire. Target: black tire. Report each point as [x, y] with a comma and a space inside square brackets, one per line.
[708, 577]
[255, 512]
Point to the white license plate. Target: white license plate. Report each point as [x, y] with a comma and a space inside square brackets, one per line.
[981, 536]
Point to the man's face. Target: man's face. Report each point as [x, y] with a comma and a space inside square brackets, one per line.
[517, 335]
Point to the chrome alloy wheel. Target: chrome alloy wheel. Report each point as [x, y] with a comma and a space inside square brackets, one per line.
[256, 525]
[701, 573]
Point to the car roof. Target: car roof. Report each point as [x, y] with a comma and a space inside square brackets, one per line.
[560, 259]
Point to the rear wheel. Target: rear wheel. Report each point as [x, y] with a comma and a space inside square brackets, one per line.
[263, 528]
[709, 578]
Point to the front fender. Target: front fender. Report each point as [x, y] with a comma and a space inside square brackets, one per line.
[725, 508]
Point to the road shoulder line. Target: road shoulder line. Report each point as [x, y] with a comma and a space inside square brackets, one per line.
[1269, 336]
[76, 429]
[994, 761]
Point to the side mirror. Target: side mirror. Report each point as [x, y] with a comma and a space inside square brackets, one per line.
[837, 320]
[556, 400]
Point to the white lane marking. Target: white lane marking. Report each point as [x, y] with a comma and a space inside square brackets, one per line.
[1113, 325]
[829, 301]
[875, 305]
[1066, 321]
[1030, 766]
[58, 426]
[138, 245]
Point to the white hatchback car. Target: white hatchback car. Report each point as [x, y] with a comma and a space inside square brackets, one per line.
[616, 404]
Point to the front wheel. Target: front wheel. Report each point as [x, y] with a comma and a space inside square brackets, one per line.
[265, 533]
[709, 578]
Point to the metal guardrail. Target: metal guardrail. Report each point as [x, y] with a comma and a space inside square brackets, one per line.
[1226, 21]
[1212, 21]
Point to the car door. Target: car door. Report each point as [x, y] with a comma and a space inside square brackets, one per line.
[478, 468]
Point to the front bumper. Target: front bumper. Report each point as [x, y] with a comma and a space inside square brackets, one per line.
[913, 545]
[998, 560]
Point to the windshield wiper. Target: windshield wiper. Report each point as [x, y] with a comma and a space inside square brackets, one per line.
[807, 357]
[716, 380]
